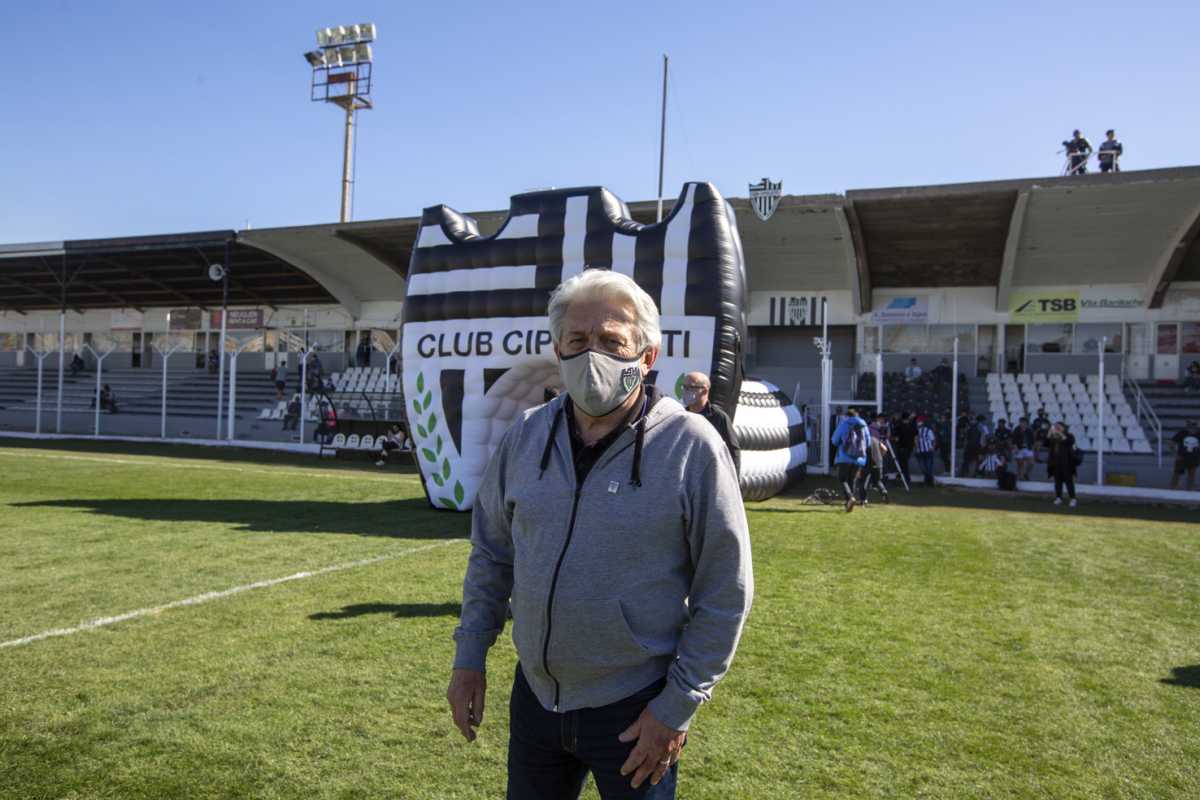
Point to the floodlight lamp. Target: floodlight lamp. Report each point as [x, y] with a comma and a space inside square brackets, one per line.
[352, 33]
[323, 36]
[349, 55]
[316, 58]
[366, 31]
[342, 34]
[333, 57]
[363, 52]
[216, 272]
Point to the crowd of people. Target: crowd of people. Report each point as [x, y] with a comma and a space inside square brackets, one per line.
[866, 453]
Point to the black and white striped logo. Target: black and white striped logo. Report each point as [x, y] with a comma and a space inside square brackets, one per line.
[795, 310]
[764, 197]
[476, 344]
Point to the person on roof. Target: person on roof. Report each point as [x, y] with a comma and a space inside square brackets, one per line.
[611, 521]
[1079, 150]
[1110, 152]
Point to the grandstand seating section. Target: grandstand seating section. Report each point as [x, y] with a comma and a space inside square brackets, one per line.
[1074, 400]
[350, 388]
[926, 395]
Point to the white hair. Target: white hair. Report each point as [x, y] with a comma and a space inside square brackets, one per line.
[610, 285]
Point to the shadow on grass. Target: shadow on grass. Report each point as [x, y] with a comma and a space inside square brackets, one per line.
[1184, 676]
[994, 500]
[365, 463]
[398, 610]
[401, 519]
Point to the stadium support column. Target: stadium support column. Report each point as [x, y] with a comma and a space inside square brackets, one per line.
[221, 346]
[348, 160]
[662, 141]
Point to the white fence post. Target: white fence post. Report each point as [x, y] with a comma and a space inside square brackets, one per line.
[954, 415]
[165, 356]
[99, 371]
[41, 357]
[1101, 402]
[304, 385]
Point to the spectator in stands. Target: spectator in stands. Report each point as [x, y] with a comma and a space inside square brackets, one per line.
[214, 361]
[853, 442]
[941, 429]
[963, 426]
[393, 440]
[1110, 152]
[1191, 381]
[991, 459]
[1022, 441]
[328, 426]
[108, 399]
[695, 399]
[1002, 433]
[279, 378]
[1187, 455]
[913, 372]
[926, 447]
[77, 365]
[291, 417]
[364, 351]
[1063, 462]
[943, 371]
[905, 436]
[1078, 151]
[973, 447]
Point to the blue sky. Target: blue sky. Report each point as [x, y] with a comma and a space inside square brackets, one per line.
[159, 117]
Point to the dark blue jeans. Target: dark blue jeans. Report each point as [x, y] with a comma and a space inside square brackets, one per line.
[550, 754]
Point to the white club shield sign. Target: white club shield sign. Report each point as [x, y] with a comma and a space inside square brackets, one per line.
[764, 197]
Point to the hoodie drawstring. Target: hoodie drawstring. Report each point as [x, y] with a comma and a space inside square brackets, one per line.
[635, 477]
[550, 442]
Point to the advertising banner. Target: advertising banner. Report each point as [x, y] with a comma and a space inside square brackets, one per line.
[901, 310]
[239, 319]
[186, 319]
[1044, 306]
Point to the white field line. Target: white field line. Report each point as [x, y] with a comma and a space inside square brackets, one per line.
[264, 469]
[207, 597]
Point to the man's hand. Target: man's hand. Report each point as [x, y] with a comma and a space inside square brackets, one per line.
[656, 750]
[466, 695]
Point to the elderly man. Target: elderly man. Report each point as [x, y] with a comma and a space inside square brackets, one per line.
[611, 519]
[695, 399]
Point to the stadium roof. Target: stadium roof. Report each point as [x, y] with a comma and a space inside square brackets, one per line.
[1130, 227]
[148, 272]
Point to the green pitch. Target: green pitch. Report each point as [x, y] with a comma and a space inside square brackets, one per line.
[946, 646]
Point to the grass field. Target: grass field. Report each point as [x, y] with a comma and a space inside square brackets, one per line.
[945, 646]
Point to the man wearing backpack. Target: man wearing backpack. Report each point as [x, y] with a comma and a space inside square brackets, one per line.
[853, 441]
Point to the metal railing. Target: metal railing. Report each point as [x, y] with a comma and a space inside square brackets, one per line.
[1145, 411]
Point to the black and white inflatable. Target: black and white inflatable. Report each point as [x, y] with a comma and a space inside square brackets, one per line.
[770, 430]
[476, 342]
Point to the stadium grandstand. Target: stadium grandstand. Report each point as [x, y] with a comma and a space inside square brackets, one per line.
[1039, 283]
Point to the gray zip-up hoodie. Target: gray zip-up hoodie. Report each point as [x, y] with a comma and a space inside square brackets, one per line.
[640, 572]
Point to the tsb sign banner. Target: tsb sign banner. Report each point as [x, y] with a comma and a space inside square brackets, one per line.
[1048, 306]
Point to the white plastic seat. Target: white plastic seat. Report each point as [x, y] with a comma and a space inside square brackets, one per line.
[339, 440]
[1134, 433]
[1141, 446]
[1083, 443]
[264, 414]
[367, 442]
[1055, 378]
[352, 441]
[1120, 446]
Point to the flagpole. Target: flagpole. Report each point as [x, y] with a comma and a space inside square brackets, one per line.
[662, 140]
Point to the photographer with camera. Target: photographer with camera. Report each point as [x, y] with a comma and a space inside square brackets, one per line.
[1079, 150]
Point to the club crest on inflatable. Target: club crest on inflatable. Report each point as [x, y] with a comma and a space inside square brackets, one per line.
[476, 343]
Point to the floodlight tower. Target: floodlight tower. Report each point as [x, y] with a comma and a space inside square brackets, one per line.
[341, 74]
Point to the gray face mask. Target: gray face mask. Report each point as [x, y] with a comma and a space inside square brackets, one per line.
[598, 382]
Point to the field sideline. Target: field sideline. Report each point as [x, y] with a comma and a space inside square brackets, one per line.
[289, 621]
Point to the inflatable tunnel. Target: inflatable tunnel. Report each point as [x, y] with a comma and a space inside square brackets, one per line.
[770, 430]
[476, 341]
